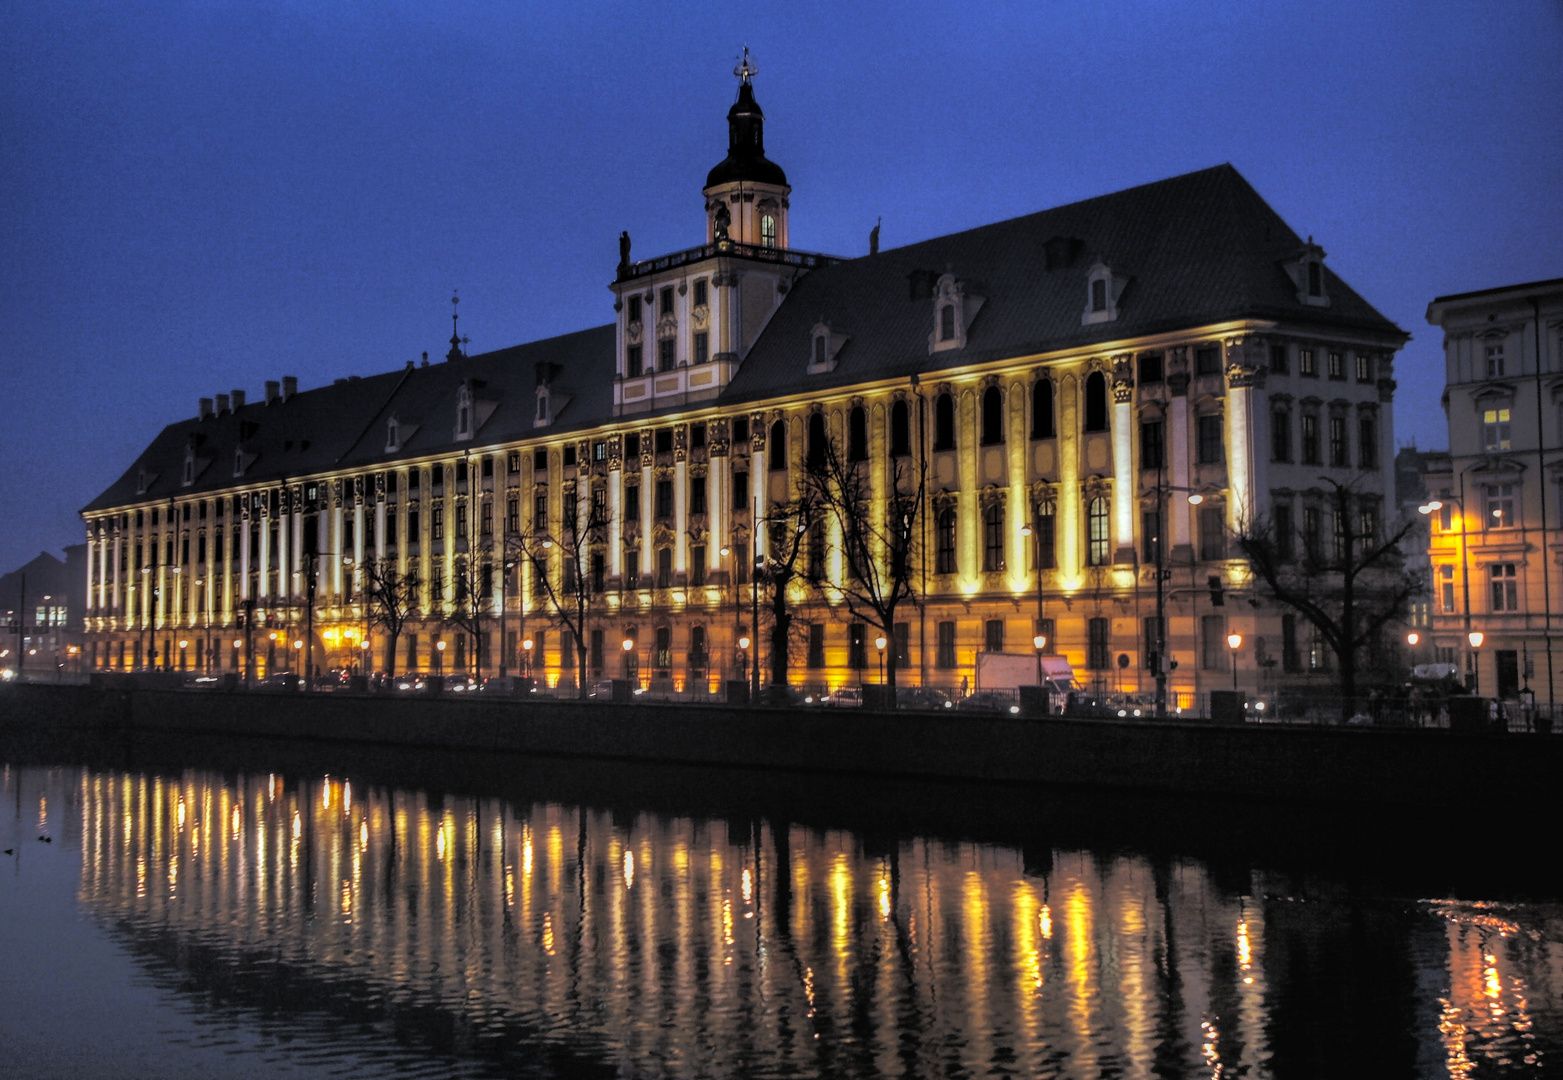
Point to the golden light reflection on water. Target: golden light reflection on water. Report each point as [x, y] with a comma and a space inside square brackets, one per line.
[678, 941]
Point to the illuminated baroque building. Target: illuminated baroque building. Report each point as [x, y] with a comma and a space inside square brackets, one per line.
[1495, 499]
[1064, 381]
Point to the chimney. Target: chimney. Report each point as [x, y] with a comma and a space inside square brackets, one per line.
[222, 404]
[205, 410]
[289, 386]
[238, 400]
[273, 389]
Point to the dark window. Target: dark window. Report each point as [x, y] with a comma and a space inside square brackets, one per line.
[740, 564]
[1310, 439]
[697, 435]
[1099, 295]
[1281, 435]
[1155, 631]
[512, 465]
[1042, 410]
[1313, 540]
[632, 568]
[1278, 360]
[700, 293]
[993, 635]
[1210, 440]
[631, 502]
[1151, 370]
[1150, 534]
[540, 463]
[697, 495]
[667, 300]
[1367, 443]
[665, 357]
[664, 499]
[1281, 525]
[461, 471]
[631, 446]
[944, 422]
[1096, 402]
[1151, 445]
[993, 537]
[596, 651]
[816, 659]
[1315, 279]
[1207, 360]
[821, 344]
[740, 491]
[1338, 453]
[702, 347]
[1099, 647]
[540, 510]
[1213, 642]
[599, 572]
[944, 658]
[634, 361]
[634, 313]
[663, 439]
[740, 430]
[857, 434]
[816, 552]
[1047, 537]
[569, 456]
[664, 568]
[1291, 660]
[662, 654]
[488, 467]
[1212, 533]
[992, 416]
[779, 446]
[857, 646]
[816, 447]
[944, 542]
[697, 565]
[947, 323]
[436, 527]
[900, 430]
[1364, 368]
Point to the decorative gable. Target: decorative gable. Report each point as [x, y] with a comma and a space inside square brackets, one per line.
[472, 409]
[953, 312]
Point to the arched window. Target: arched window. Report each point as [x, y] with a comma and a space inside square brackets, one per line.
[944, 542]
[992, 416]
[779, 446]
[768, 231]
[1042, 410]
[1096, 402]
[1096, 532]
[857, 434]
[944, 422]
[947, 323]
[900, 430]
[993, 537]
[816, 447]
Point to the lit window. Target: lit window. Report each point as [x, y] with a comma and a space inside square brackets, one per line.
[1495, 430]
[1446, 587]
[768, 231]
[1500, 506]
[1097, 533]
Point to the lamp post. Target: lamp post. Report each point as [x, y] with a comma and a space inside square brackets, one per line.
[879, 643]
[1036, 557]
[1234, 642]
[628, 644]
[526, 646]
[439, 657]
[1475, 639]
[754, 600]
[1040, 643]
[184, 643]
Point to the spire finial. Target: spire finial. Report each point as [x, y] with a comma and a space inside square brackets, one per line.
[745, 71]
[456, 339]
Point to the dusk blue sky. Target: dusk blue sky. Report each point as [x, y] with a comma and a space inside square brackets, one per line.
[204, 196]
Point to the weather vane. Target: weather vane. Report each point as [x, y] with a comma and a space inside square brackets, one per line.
[745, 70]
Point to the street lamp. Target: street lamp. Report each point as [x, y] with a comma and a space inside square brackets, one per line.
[1040, 643]
[439, 657]
[526, 646]
[628, 644]
[1234, 642]
[1412, 638]
[184, 643]
[879, 643]
[1474, 636]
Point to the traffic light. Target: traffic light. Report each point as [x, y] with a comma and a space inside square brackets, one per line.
[1217, 596]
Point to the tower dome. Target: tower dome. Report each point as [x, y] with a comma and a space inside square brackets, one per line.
[746, 158]
[746, 194]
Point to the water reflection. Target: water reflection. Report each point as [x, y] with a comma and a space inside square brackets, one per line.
[664, 945]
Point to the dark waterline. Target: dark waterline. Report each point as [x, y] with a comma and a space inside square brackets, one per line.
[245, 908]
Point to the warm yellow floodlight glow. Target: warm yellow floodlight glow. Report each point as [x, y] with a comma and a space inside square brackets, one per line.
[1234, 641]
[1475, 637]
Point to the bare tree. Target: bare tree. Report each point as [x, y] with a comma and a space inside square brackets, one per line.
[876, 541]
[1349, 586]
[569, 600]
[472, 595]
[391, 596]
[788, 524]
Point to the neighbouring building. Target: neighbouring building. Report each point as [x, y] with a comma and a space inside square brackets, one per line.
[41, 621]
[1062, 382]
[1499, 505]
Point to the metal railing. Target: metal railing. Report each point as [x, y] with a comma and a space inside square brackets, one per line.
[807, 259]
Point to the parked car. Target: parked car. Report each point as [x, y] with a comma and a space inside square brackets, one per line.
[923, 697]
[988, 701]
[846, 697]
[409, 682]
[509, 685]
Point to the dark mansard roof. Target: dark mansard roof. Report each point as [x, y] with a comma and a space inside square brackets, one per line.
[1193, 250]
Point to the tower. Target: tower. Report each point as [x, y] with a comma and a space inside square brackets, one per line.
[746, 194]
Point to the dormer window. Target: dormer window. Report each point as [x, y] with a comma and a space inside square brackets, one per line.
[947, 322]
[141, 482]
[954, 311]
[463, 413]
[1306, 269]
[238, 462]
[1103, 289]
[544, 415]
[189, 469]
[824, 345]
[392, 443]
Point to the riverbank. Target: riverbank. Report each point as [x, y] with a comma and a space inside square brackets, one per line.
[1461, 773]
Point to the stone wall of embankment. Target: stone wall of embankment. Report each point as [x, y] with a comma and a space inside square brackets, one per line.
[1429, 768]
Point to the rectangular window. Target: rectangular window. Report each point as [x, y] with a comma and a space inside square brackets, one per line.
[740, 564]
[1154, 631]
[665, 349]
[599, 571]
[1285, 548]
[570, 513]
[512, 466]
[539, 510]
[816, 552]
[1151, 445]
[993, 538]
[1446, 588]
[634, 311]
[1212, 533]
[1207, 360]
[1150, 534]
[816, 658]
[1495, 430]
[436, 526]
[1313, 534]
[1310, 439]
[1337, 362]
[944, 658]
[631, 447]
[662, 438]
[1213, 642]
[664, 568]
[1367, 443]
[600, 450]
[1338, 529]
[512, 516]
[1367, 521]
[631, 502]
[857, 646]
[540, 466]
[1500, 506]
[486, 520]
[1280, 435]
[903, 645]
[697, 495]
[740, 491]
[944, 542]
[597, 652]
[1495, 360]
[697, 435]
[1278, 360]
[1047, 537]
[1210, 441]
[634, 362]
[461, 525]
[1151, 368]
[1364, 368]
[1339, 456]
[740, 431]
[1291, 659]
[1307, 364]
[569, 456]
[662, 655]
[664, 500]
[666, 300]
[702, 347]
[632, 568]
[1097, 540]
[700, 293]
[1099, 644]
[697, 565]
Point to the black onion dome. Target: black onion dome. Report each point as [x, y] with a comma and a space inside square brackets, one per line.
[745, 158]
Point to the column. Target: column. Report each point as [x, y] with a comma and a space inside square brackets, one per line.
[758, 477]
[1177, 436]
[680, 501]
[721, 531]
[245, 555]
[616, 509]
[1125, 490]
[264, 566]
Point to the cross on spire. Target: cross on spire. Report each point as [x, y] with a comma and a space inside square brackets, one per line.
[745, 71]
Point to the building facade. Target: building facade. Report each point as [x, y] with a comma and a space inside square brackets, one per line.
[1092, 400]
[1495, 501]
